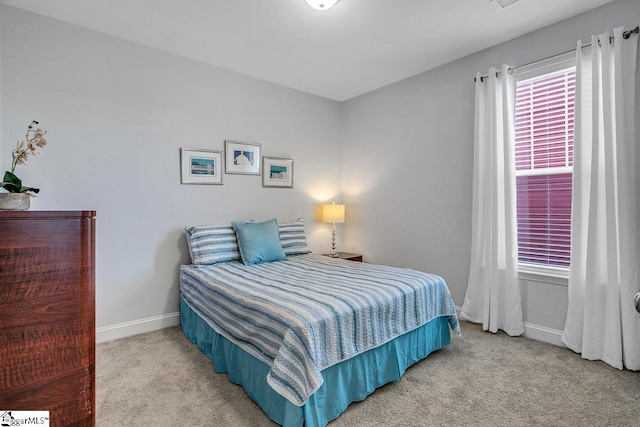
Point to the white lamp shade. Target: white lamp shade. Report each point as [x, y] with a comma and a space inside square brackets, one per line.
[321, 4]
[333, 214]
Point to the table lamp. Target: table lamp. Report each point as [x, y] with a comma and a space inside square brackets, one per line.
[333, 214]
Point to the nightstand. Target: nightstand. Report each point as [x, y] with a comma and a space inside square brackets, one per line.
[348, 256]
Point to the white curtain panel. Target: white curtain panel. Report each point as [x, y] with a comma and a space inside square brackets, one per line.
[493, 293]
[602, 322]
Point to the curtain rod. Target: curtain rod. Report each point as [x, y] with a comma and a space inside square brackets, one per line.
[625, 36]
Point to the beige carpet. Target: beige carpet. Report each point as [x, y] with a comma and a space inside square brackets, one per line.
[481, 379]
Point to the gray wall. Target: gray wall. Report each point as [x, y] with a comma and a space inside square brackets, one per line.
[408, 156]
[117, 113]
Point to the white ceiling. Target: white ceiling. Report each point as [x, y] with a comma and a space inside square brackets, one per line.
[353, 48]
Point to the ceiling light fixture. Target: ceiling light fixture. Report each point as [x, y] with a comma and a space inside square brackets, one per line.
[321, 4]
[505, 3]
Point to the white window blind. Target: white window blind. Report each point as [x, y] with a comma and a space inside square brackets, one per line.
[544, 129]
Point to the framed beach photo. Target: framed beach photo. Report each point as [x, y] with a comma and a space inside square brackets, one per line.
[277, 172]
[242, 157]
[200, 166]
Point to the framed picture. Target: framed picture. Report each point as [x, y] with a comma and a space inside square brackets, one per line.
[200, 166]
[277, 172]
[242, 157]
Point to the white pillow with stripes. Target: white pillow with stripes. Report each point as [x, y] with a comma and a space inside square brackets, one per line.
[212, 244]
[293, 238]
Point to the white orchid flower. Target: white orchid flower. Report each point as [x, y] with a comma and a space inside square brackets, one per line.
[34, 140]
[20, 156]
[34, 148]
[38, 141]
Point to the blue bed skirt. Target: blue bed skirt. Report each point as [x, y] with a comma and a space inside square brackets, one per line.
[346, 382]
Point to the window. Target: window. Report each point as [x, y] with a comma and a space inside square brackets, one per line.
[544, 121]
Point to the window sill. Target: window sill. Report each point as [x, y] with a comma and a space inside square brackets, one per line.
[544, 274]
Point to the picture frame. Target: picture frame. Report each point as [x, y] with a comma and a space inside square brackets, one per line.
[199, 166]
[277, 172]
[242, 157]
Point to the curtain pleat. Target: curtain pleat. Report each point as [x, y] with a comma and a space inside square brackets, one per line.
[602, 323]
[493, 293]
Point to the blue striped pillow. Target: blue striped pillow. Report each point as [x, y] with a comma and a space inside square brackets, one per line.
[212, 244]
[293, 238]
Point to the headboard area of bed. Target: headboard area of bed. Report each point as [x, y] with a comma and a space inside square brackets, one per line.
[213, 244]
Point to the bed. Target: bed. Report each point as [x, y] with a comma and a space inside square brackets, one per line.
[307, 334]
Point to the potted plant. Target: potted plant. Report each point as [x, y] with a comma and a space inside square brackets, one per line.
[18, 196]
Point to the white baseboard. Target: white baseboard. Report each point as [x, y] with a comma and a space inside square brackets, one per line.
[542, 333]
[135, 327]
[141, 326]
[537, 332]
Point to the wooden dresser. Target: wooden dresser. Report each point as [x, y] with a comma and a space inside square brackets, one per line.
[47, 314]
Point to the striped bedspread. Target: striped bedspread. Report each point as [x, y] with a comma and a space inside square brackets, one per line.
[307, 313]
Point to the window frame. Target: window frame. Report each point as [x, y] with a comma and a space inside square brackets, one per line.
[532, 271]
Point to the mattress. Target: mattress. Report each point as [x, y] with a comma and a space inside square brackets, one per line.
[301, 316]
[351, 380]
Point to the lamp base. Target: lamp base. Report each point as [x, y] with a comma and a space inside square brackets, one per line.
[334, 254]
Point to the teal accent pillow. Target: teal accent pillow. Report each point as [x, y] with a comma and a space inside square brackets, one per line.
[259, 242]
